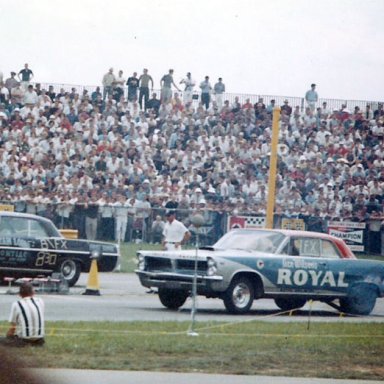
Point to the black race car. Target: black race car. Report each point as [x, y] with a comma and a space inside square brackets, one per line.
[31, 245]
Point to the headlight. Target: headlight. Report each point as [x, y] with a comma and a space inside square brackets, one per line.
[212, 267]
[141, 262]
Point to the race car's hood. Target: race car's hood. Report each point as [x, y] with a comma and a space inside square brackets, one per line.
[202, 254]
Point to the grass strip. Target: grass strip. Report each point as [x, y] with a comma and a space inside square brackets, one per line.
[328, 350]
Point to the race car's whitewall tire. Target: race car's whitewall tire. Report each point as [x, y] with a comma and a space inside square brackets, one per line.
[239, 296]
[70, 269]
[172, 298]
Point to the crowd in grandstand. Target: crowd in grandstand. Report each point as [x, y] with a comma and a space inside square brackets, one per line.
[118, 151]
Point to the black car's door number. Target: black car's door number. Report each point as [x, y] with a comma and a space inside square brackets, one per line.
[45, 258]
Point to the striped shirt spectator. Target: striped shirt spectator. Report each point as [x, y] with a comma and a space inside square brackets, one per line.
[26, 319]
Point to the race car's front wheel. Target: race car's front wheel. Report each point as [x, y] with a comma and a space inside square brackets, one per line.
[172, 298]
[70, 270]
[360, 301]
[290, 304]
[239, 296]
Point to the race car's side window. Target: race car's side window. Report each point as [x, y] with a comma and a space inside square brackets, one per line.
[309, 247]
[328, 250]
[292, 247]
[302, 247]
[36, 229]
[25, 228]
[5, 228]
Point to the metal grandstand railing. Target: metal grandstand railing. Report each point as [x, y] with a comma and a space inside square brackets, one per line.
[293, 100]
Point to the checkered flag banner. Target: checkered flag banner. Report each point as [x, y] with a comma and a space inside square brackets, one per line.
[245, 222]
[254, 222]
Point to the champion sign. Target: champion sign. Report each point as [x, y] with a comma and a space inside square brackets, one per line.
[355, 236]
[352, 233]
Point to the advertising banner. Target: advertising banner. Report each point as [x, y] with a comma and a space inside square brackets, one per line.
[352, 233]
[296, 224]
[245, 222]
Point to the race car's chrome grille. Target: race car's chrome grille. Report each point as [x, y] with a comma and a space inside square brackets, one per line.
[189, 265]
[158, 264]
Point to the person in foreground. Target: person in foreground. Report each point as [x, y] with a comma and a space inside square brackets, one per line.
[26, 320]
[13, 369]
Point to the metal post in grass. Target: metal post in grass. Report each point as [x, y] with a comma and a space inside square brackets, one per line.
[197, 221]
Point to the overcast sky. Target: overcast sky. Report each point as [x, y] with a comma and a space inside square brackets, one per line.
[269, 47]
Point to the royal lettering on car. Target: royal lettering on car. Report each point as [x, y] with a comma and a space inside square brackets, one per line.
[302, 277]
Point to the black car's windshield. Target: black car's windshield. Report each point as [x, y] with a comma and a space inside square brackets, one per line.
[26, 227]
[261, 241]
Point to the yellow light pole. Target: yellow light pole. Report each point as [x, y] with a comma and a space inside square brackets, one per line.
[273, 168]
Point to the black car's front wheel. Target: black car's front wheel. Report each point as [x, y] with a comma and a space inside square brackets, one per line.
[70, 270]
[239, 296]
[172, 298]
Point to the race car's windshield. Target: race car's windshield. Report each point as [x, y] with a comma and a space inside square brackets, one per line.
[261, 241]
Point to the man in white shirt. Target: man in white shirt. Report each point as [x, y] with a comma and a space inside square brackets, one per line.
[120, 213]
[30, 97]
[175, 232]
[188, 90]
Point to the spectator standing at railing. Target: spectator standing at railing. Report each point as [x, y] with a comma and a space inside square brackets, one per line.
[144, 81]
[311, 97]
[108, 81]
[206, 89]
[157, 230]
[25, 75]
[120, 213]
[91, 215]
[63, 211]
[133, 86]
[118, 86]
[189, 84]
[79, 212]
[219, 90]
[106, 214]
[166, 83]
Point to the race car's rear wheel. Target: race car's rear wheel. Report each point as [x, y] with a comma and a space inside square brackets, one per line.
[360, 301]
[171, 298]
[286, 304]
[239, 296]
[70, 269]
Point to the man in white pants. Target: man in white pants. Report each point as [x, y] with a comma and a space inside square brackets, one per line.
[219, 89]
[120, 213]
[188, 90]
[175, 233]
